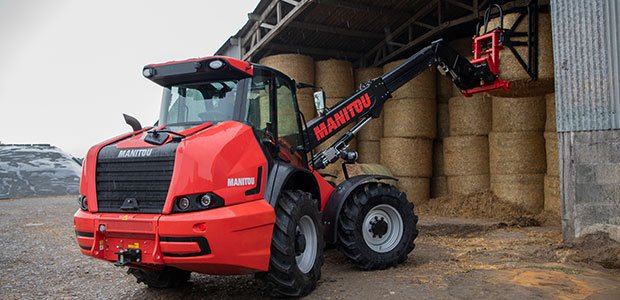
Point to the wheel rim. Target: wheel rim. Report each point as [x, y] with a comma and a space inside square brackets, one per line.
[382, 228]
[306, 258]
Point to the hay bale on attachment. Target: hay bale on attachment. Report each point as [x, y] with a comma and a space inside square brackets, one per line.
[369, 151]
[417, 189]
[407, 157]
[468, 184]
[525, 190]
[423, 86]
[518, 114]
[335, 77]
[297, 66]
[410, 117]
[517, 153]
[470, 116]
[551, 122]
[552, 194]
[439, 186]
[551, 149]
[466, 155]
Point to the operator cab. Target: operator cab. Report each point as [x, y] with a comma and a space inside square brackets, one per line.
[218, 89]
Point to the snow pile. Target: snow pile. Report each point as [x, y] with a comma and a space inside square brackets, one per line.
[36, 171]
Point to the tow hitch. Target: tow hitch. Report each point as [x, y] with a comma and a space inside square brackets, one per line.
[128, 256]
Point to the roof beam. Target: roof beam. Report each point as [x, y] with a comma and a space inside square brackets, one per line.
[315, 51]
[336, 30]
[353, 5]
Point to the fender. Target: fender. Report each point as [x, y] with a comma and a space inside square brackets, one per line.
[331, 214]
[284, 176]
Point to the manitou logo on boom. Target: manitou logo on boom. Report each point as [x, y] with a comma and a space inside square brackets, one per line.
[341, 117]
[134, 153]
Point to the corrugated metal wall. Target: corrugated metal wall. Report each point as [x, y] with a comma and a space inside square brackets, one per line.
[586, 44]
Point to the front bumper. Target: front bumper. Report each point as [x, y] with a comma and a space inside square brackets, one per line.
[228, 240]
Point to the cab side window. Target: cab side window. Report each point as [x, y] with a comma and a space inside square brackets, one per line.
[288, 128]
[258, 95]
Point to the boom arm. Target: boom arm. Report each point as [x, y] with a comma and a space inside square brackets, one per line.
[367, 103]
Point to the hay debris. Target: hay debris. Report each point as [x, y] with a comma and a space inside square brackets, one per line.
[470, 115]
[517, 153]
[479, 205]
[407, 156]
[466, 155]
[518, 114]
[410, 117]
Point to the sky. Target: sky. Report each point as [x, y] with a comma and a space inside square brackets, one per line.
[69, 69]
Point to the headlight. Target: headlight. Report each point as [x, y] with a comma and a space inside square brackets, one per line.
[216, 64]
[197, 202]
[183, 203]
[83, 202]
[206, 200]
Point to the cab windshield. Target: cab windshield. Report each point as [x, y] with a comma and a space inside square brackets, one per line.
[193, 104]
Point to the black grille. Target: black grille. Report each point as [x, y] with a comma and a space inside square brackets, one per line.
[145, 179]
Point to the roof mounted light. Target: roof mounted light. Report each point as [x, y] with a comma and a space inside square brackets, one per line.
[148, 72]
[216, 64]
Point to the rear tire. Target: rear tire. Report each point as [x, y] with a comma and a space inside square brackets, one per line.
[167, 278]
[377, 227]
[296, 246]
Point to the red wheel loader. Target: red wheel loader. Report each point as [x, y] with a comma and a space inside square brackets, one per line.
[228, 182]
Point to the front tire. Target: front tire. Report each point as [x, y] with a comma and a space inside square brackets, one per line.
[166, 278]
[377, 227]
[297, 245]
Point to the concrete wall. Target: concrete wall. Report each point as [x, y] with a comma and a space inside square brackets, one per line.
[590, 188]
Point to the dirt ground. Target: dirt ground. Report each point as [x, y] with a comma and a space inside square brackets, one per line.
[454, 258]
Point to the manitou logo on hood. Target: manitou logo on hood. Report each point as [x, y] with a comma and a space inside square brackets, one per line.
[134, 153]
[340, 118]
[243, 181]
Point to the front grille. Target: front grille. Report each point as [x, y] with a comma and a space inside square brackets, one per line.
[144, 179]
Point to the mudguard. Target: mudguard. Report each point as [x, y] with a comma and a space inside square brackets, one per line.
[331, 213]
[285, 176]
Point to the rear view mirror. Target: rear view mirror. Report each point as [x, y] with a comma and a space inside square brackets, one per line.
[319, 103]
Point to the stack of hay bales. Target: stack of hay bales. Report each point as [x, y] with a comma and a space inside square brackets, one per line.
[552, 178]
[409, 127]
[439, 181]
[335, 77]
[369, 137]
[466, 150]
[517, 151]
[301, 69]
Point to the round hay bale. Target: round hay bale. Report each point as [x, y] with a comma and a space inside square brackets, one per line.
[518, 114]
[468, 184]
[550, 121]
[407, 157]
[439, 166]
[470, 116]
[443, 120]
[297, 66]
[552, 194]
[512, 71]
[335, 77]
[422, 86]
[306, 105]
[416, 188]
[373, 131]
[466, 155]
[517, 153]
[439, 186]
[369, 151]
[525, 190]
[362, 75]
[551, 149]
[410, 117]
[444, 88]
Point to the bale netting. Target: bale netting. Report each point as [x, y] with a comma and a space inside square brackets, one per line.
[470, 116]
[552, 193]
[410, 117]
[369, 151]
[517, 153]
[443, 120]
[306, 105]
[439, 166]
[525, 190]
[551, 149]
[512, 71]
[416, 188]
[468, 184]
[422, 86]
[518, 114]
[335, 77]
[407, 156]
[550, 120]
[297, 66]
[466, 155]
[439, 186]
